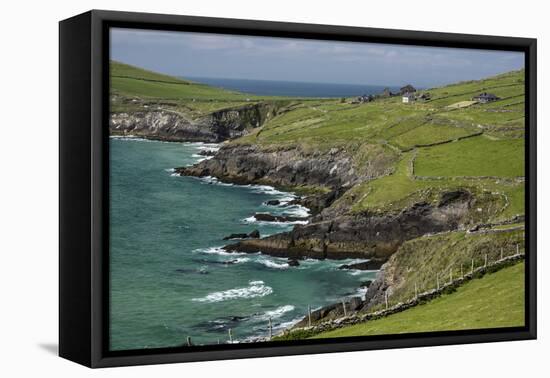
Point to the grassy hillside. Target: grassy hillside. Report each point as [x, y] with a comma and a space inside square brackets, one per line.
[133, 81]
[391, 121]
[424, 261]
[135, 89]
[495, 300]
[433, 146]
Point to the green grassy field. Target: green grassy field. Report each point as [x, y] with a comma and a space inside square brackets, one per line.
[478, 156]
[495, 300]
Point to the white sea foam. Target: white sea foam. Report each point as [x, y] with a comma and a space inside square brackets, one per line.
[129, 137]
[272, 264]
[213, 181]
[253, 219]
[274, 314]
[254, 289]
[201, 145]
[286, 199]
[218, 251]
[297, 211]
[286, 325]
[210, 147]
[356, 272]
[362, 291]
[266, 189]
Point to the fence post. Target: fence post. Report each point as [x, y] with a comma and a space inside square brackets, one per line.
[218, 341]
[462, 271]
[501, 253]
[344, 307]
[386, 298]
[189, 341]
[472, 271]
[309, 315]
[415, 291]
[451, 275]
[270, 329]
[485, 260]
[437, 279]
[517, 249]
[230, 335]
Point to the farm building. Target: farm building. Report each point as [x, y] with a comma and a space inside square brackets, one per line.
[407, 89]
[485, 97]
[363, 99]
[425, 97]
[408, 98]
[386, 93]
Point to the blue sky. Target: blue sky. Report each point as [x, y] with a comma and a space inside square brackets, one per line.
[265, 58]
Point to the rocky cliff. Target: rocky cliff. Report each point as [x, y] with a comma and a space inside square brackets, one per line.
[170, 125]
[325, 175]
[373, 236]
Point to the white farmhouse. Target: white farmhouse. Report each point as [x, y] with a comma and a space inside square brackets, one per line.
[408, 98]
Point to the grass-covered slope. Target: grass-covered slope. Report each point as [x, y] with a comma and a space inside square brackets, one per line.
[405, 125]
[134, 89]
[421, 263]
[479, 156]
[495, 300]
[133, 81]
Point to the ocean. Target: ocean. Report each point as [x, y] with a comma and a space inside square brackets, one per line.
[170, 280]
[293, 88]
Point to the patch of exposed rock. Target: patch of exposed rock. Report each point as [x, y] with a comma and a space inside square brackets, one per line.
[169, 125]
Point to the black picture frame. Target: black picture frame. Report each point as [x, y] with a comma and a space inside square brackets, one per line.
[84, 186]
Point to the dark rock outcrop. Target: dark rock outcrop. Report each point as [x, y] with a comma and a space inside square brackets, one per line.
[207, 153]
[235, 236]
[374, 264]
[252, 235]
[293, 262]
[266, 217]
[372, 236]
[366, 284]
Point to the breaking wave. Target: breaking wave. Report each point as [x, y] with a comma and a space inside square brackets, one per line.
[218, 251]
[254, 289]
[253, 219]
[272, 264]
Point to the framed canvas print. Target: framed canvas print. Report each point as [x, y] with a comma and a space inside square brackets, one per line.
[233, 188]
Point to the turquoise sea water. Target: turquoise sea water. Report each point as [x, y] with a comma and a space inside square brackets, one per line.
[168, 277]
